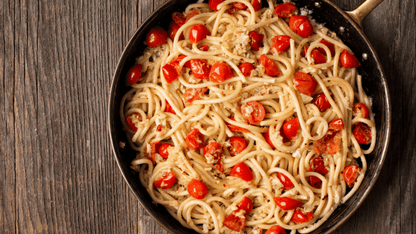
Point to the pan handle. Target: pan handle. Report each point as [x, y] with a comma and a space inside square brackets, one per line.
[363, 10]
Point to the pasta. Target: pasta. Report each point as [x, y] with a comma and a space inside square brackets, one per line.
[251, 125]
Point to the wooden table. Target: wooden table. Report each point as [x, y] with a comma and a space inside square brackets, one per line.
[57, 171]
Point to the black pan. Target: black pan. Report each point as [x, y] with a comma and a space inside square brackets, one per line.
[324, 11]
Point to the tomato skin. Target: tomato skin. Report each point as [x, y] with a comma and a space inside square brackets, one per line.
[305, 83]
[214, 150]
[287, 203]
[192, 94]
[130, 123]
[286, 10]
[200, 68]
[204, 47]
[280, 44]
[348, 60]
[166, 181]
[256, 40]
[360, 110]
[169, 108]
[134, 74]
[253, 112]
[220, 72]
[336, 124]
[192, 13]
[198, 32]
[238, 144]
[318, 57]
[351, 174]
[256, 4]
[246, 69]
[213, 4]
[301, 25]
[157, 36]
[321, 102]
[242, 171]
[300, 217]
[315, 182]
[246, 204]
[276, 230]
[170, 71]
[163, 150]
[317, 165]
[154, 148]
[329, 143]
[266, 136]
[173, 29]
[239, 6]
[234, 222]
[287, 183]
[362, 133]
[234, 128]
[178, 18]
[290, 128]
[194, 139]
[197, 189]
[270, 66]
[330, 46]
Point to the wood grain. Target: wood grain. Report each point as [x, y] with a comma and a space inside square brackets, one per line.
[57, 171]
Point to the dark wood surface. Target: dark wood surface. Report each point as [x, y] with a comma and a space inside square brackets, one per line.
[57, 171]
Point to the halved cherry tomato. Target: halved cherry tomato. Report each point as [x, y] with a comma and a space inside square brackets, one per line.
[198, 32]
[362, 133]
[329, 143]
[169, 108]
[270, 66]
[321, 102]
[300, 217]
[286, 10]
[163, 150]
[178, 18]
[234, 128]
[318, 57]
[192, 13]
[220, 72]
[287, 183]
[256, 4]
[213, 4]
[195, 139]
[157, 36]
[197, 189]
[351, 174]
[154, 148]
[336, 124]
[287, 203]
[301, 25]
[192, 94]
[246, 69]
[360, 110]
[239, 6]
[238, 144]
[213, 152]
[245, 204]
[266, 136]
[280, 44]
[167, 180]
[200, 68]
[256, 40]
[170, 71]
[253, 112]
[276, 230]
[317, 165]
[290, 128]
[305, 83]
[203, 47]
[242, 171]
[134, 74]
[330, 46]
[173, 29]
[235, 223]
[129, 121]
[348, 60]
[315, 182]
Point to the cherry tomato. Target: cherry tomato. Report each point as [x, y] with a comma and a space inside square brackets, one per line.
[246, 204]
[213, 4]
[213, 152]
[305, 83]
[169, 108]
[238, 144]
[330, 46]
[178, 18]
[321, 102]
[266, 136]
[192, 13]
[253, 112]
[130, 123]
[204, 47]
[198, 32]
[163, 150]
[242, 171]
[173, 29]
[270, 66]
[200, 68]
[239, 6]
[234, 128]
[317, 165]
[290, 128]
[170, 71]
[287, 203]
[256, 4]
[276, 230]
[351, 174]
[192, 94]
[195, 139]
[287, 183]
[286, 10]
[167, 180]
[220, 72]
[362, 133]
[348, 60]
[134, 74]
[154, 147]
[234, 222]
[157, 36]
[197, 189]
[318, 57]
[300, 217]
[329, 143]
[280, 44]
[360, 110]
[246, 69]
[256, 40]
[336, 124]
[301, 25]
[315, 182]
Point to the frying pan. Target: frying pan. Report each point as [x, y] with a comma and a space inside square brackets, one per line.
[347, 27]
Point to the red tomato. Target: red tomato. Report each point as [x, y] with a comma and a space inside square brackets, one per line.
[246, 69]
[360, 110]
[329, 143]
[200, 68]
[336, 124]
[167, 180]
[242, 171]
[178, 18]
[286, 10]
[220, 72]
[351, 174]
[238, 144]
[154, 147]
[330, 46]
[256, 40]
[290, 128]
[129, 121]
[157, 36]
[234, 222]
[256, 4]
[163, 150]
[287, 183]
[213, 4]
[280, 44]
[239, 5]
[299, 217]
[287, 203]
[197, 189]
[213, 152]
[317, 165]
[134, 74]
[348, 60]
[192, 94]
[321, 102]
[169, 108]
[194, 139]
[301, 25]
[198, 32]
[234, 128]
[204, 47]
[362, 133]
[246, 204]
[270, 66]
[266, 136]
[318, 57]
[305, 83]
[253, 112]
[170, 71]
[192, 13]
[173, 29]
[276, 230]
[315, 182]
